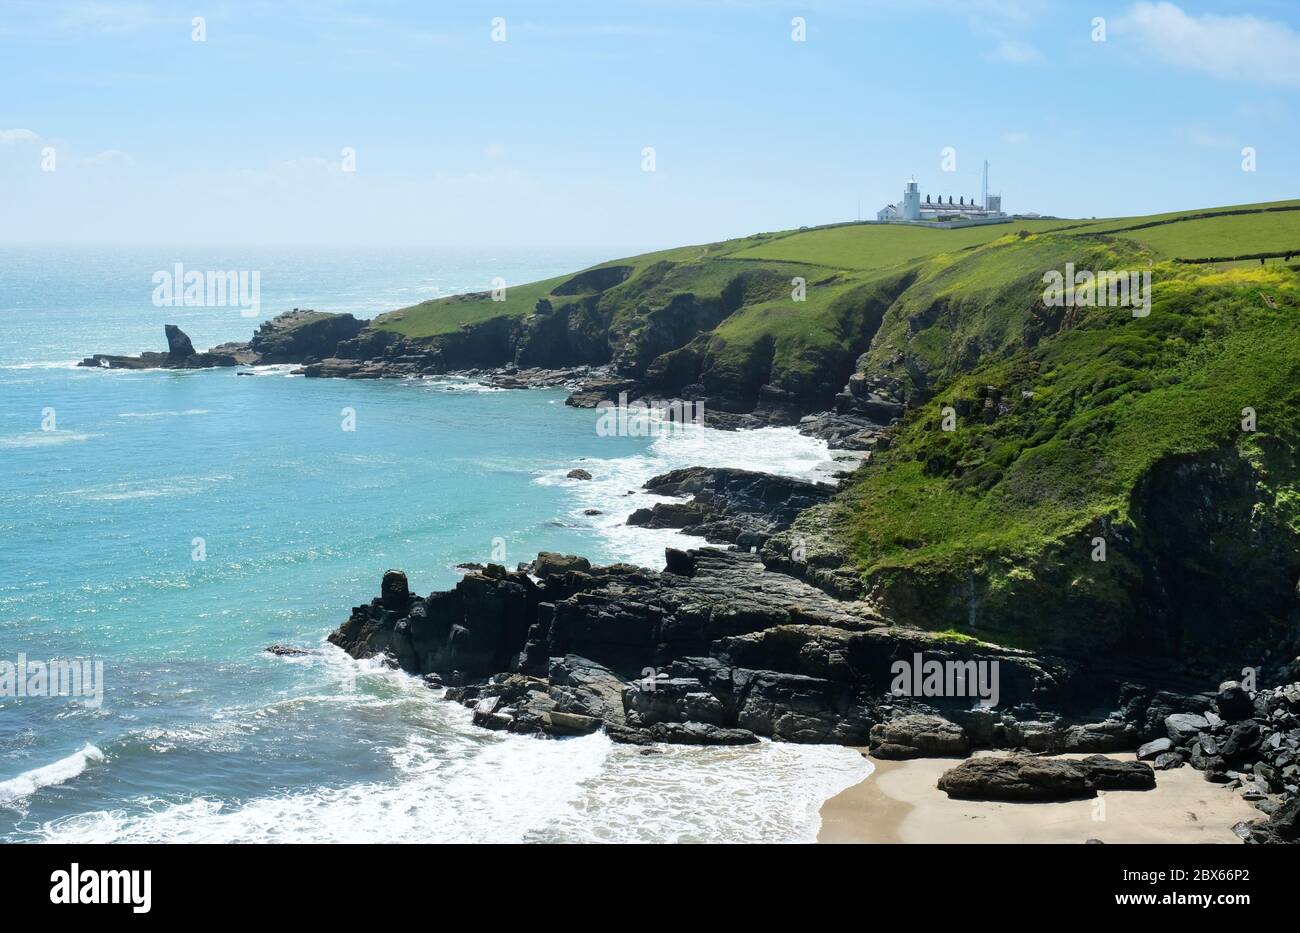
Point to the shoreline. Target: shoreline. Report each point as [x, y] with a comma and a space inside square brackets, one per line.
[899, 802]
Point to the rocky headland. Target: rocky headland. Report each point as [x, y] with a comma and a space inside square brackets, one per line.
[298, 336]
[1104, 506]
[717, 649]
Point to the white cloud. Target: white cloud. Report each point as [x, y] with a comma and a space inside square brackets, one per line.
[1237, 48]
[18, 136]
[1016, 137]
[107, 157]
[1017, 52]
[102, 17]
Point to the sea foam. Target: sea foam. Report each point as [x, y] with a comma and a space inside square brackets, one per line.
[65, 769]
[453, 782]
[614, 489]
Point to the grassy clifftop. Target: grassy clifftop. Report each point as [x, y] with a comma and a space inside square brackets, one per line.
[1097, 489]
[722, 321]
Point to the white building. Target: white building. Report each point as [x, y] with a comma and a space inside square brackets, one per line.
[936, 209]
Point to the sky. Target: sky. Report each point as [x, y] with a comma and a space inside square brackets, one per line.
[623, 124]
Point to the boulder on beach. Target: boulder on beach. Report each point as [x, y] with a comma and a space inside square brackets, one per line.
[1183, 727]
[1016, 777]
[1026, 777]
[1233, 702]
[1112, 774]
[1154, 749]
[918, 736]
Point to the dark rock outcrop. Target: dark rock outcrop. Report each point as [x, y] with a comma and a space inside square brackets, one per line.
[718, 649]
[1233, 702]
[1185, 726]
[919, 736]
[1282, 828]
[295, 336]
[1112, 774]
[1154, 749]
[734, 506]
[1016, 777]
[179, 346]
[1025, 777]
[1252, 745]
[549, 564]
[180, 355]
[302, 334]
[718, 641]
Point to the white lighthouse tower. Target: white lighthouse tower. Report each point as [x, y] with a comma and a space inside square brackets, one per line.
[911, 201]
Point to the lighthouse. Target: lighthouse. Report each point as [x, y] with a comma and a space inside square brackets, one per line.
[911, 201]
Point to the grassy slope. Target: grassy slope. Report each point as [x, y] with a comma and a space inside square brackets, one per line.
[996, 520]
[1110, 397]
[860, 252]
[1233, 235]
[869, 247]
[447, 315]
[1088, 405]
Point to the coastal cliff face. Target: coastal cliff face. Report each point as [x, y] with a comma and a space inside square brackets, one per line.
[1101, 502]
[1201, 563]
[300, 335]
[1125, 485]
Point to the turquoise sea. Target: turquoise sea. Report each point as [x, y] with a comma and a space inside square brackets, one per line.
[115, 481]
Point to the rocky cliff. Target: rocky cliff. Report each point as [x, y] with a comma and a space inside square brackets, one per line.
[297, 336]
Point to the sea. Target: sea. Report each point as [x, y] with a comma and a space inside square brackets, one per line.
[166, 527]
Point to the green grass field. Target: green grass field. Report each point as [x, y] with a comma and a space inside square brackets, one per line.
[853, 248]
[872, 247]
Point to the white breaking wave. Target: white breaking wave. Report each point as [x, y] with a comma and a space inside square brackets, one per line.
[270, 369]
[48, 364]
[501, 788]
[44, 439]
[454, 782]
[65, 769]
[615, 485]
[148, 489]
[457, 384]
[165, 414]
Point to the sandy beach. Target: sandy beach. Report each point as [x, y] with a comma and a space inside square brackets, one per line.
[900, 802]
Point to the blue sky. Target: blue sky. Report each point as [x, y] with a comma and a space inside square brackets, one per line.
[538, 140]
